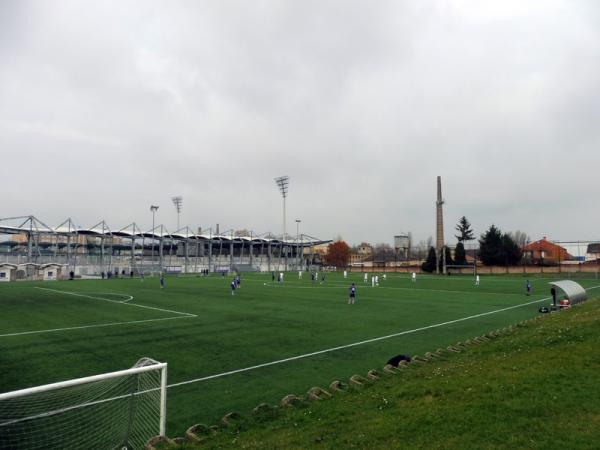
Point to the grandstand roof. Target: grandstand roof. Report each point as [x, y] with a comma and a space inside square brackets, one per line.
[101, 229]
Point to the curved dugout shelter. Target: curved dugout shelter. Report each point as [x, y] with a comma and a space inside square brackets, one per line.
[573, 291]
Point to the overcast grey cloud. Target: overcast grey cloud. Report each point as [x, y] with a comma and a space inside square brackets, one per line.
[108, 107]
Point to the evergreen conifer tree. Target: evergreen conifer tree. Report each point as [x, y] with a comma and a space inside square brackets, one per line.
[460, 257]
[429, 264]
[464, 229]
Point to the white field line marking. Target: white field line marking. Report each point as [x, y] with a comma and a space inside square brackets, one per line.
[116, 301]
[83, 327]
[127, 297]
[354, 344]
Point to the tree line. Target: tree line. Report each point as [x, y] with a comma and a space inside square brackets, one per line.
[496, 248]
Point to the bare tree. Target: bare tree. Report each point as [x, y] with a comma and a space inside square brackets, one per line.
[429, 242]
[422, 248]
[520, 237]
[383, 253]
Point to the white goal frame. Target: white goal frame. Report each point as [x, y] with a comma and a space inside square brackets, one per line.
[149, 366]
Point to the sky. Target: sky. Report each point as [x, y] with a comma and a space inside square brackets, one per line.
[109, 107]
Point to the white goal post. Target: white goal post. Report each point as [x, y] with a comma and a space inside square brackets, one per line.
[464, 269]
[116, 410]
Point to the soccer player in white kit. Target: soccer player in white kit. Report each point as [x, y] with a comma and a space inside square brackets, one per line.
[477, 280]
[414, 277]
[366, 278]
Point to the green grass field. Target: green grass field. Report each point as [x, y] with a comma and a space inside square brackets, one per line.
[301, 333]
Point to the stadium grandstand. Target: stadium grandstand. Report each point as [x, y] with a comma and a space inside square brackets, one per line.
[31, 249]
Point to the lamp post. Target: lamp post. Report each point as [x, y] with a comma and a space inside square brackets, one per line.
[297, 242]
[153, 208]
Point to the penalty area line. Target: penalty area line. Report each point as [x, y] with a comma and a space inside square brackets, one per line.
[84, 327]
[354, 344]
[118, 302]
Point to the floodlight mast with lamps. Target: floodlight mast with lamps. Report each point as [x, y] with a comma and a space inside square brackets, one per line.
[283, 185]
[178, 202]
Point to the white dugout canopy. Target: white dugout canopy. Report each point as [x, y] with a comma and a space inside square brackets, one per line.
[574, 292]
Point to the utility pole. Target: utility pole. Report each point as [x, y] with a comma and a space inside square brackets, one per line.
[297, 242]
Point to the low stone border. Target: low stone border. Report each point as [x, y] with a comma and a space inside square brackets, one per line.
[158, 441]
[230, 418]
[338, 386]
[199, 432]
[291, 400]
[316, 393]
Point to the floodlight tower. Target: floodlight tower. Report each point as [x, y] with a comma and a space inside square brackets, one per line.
[283, 185]
[178, 202]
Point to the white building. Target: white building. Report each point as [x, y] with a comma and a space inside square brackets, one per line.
[51, 271]
[8, 272]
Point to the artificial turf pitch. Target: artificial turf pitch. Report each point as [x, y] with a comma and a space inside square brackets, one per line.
[300, 334]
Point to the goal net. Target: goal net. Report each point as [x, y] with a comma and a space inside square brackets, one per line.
[117, 410]
[465, 269]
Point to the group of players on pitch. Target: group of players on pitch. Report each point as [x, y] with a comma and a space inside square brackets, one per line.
[237, 281]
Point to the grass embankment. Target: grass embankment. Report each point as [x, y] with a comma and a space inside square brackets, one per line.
[535, 387]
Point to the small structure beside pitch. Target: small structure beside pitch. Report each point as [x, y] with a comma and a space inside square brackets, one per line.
[573, 292]
[8, 272]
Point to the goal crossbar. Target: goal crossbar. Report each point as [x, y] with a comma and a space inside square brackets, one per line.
[76, 381]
